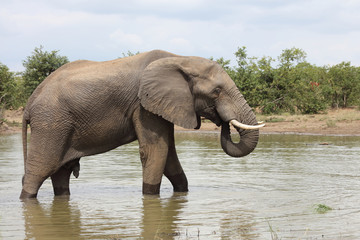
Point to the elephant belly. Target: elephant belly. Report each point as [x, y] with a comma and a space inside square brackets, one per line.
[102, 139]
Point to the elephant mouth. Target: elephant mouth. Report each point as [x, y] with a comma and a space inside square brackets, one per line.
[211, 114]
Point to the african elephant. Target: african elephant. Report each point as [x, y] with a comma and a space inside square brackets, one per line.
[85, 108]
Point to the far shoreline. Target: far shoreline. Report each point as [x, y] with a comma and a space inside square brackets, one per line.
[338, 122]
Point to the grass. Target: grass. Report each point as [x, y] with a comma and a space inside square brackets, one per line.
[348, 116]
[11, 124]
[322, 208]
[330, 117]
[330, 123]
[275, 119]
[274, 235]
[319, 209]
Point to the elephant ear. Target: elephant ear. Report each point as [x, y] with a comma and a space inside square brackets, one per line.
[165, 91]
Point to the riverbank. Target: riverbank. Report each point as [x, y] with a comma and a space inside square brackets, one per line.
[334, 122]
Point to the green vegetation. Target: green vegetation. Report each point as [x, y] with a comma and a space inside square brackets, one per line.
[294, 85]
[11, 89]
[271, 86]
[15, 88]
[38, 66]
[330, 123]
[322, 208]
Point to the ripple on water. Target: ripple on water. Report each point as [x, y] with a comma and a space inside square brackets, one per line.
[276, 187]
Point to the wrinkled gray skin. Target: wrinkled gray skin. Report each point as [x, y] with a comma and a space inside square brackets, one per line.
[85, 108]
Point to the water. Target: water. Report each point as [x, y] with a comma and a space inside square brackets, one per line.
[271, 194]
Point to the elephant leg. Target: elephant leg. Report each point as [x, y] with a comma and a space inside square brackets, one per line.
[36, 172]
[173, 170]
[153, 136]
[61, 178]
[43, 160]
[31, 185]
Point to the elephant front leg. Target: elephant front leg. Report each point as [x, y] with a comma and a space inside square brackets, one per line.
[173, 170]
[153, 134]
[178, 180]
[153, 158]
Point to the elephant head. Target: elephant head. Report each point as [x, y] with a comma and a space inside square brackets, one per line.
[182, 89]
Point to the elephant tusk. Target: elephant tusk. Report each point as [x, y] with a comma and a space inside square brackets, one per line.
[260, 122]
[244, 126]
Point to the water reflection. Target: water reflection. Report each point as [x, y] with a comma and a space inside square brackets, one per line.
[239, 223]
[160, 216]
[60, 220]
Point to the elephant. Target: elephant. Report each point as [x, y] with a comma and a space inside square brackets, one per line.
[87, 107]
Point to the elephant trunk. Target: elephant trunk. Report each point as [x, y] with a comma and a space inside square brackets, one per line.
[248, 141]
[248, 138]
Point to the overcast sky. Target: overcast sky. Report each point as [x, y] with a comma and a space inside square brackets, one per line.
[327, 30]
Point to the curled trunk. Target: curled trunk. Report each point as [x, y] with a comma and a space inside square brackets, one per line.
[248, 141]
[248, 138]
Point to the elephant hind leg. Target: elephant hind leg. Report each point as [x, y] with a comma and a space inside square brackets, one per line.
[31, 185]
[46, 152]
[26, 195]
[36, 172]
[61, 178]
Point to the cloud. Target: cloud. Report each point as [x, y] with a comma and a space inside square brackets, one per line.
[101, 30]
[127, 39]
[180, 42]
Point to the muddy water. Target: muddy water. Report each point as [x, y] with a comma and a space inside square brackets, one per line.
[272, 193]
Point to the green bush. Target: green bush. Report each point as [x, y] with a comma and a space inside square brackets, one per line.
[40, 65]
[294, 85]
[11, 89]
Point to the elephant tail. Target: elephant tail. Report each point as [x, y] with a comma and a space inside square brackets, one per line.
[25, 122]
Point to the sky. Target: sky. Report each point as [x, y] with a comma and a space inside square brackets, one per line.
[327, 30]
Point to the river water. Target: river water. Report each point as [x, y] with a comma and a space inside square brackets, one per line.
[277, 192]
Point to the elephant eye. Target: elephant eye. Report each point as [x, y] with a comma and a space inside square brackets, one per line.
[217, 91]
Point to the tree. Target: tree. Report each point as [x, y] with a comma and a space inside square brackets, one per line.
[307, 93]
[261, 74]
[292, 86]
[344, 81]
[129, 54]
[242, 75]
[40, 65]
[282, 90]
[6, 83]
[290, 57]
[10, 88]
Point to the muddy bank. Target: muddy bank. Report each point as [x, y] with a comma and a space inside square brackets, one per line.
[333, 122]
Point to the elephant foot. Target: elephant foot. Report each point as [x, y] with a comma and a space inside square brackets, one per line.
[59, 191]
[179, 182]
[26, 195]
[151, 189]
